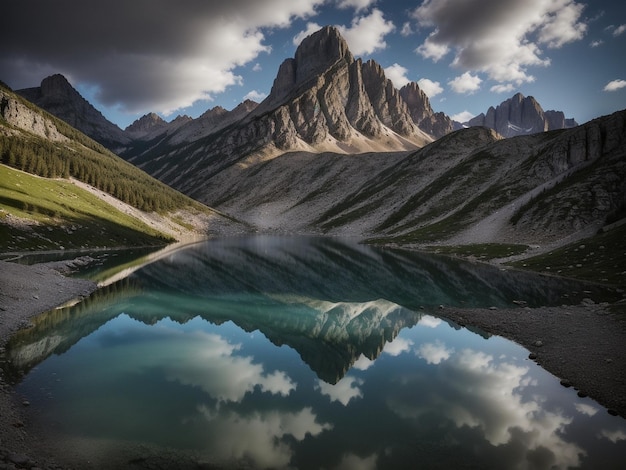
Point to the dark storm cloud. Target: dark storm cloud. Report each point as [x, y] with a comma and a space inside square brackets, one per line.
[141, 52]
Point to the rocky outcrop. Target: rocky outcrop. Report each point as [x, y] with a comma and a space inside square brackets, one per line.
[521, 115]
[435, 124]
[16, 113]
[59, 98]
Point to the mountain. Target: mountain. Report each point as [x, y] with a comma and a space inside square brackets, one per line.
[62, 190]
[435, 124]
[336, 149]
[470, 186]
[521, 115]
[59, 98]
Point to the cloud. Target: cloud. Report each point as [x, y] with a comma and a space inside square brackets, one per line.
[586, 409]
[466, 83]
[208, 361]
[619, 30]
[463, 116]
[406, 30]
[398, 346]
[502, 88]
[343, 391]
[614, 436]
[310, 29]
[255, 95]
[499, 37]
[431, 89]
[258, 438]
[428, 320]
[596, 43]
[397, 74]
[431, 49]
[354, 462]
[366, 33]
[486, 395]
[257, 67]
[358, 5]
[615, 85]
[162, 59]
[434, 353]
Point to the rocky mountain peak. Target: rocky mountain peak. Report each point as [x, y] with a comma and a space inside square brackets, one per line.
[57, 86]
[520, 115]
[146, 123]
[418, 103]
[319, 52]
[57, 96]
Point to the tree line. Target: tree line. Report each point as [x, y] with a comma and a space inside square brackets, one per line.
[100, 169]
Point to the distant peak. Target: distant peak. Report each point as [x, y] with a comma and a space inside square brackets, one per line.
[145, 123]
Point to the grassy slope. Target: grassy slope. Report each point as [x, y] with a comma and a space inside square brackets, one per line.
[38, 213]
[601, 258]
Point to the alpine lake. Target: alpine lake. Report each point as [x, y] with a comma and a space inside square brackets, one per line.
[277, 352]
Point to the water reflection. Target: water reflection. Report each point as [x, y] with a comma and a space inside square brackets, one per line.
[274, 353]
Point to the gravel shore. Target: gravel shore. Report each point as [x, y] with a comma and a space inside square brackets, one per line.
[583, 345]
[26, 291]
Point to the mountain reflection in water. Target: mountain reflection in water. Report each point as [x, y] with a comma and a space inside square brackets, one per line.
[351, 369]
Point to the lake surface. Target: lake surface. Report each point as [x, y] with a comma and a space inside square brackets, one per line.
[308, 353]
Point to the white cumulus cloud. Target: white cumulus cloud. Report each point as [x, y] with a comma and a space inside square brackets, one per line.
[619, 30]
[432, 89]
[343, 391]
[366, 33]
[397, 74]
[466, 83]
[501, 38]
[615, 85]
[463, 116]
[255, 95]
[358, 5]
[434, 353]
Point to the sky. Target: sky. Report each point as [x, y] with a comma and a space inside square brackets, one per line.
[173, 57]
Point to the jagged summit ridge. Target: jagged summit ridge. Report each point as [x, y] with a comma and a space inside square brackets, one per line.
[323, 96]
[520, 115]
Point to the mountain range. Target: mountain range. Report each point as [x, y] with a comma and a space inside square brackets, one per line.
[335, 148]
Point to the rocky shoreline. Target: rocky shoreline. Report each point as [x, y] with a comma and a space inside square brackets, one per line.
[582, 345]
[26, 291]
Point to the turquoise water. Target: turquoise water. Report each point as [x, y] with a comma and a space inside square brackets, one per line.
[270, 352]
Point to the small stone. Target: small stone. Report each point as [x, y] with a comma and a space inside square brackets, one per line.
[532, 356]
[581, 394]
[35, 296]
[538, 343]
[493, 308]
[608, 360]
[566, 383]
[18, 424]
[19, 459]
[26, 403]
[612, 412]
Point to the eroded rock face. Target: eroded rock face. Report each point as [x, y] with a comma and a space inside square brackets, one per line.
[435, 124]
[521, 115]
[58, 97]
[15, 113]
[332, 97]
